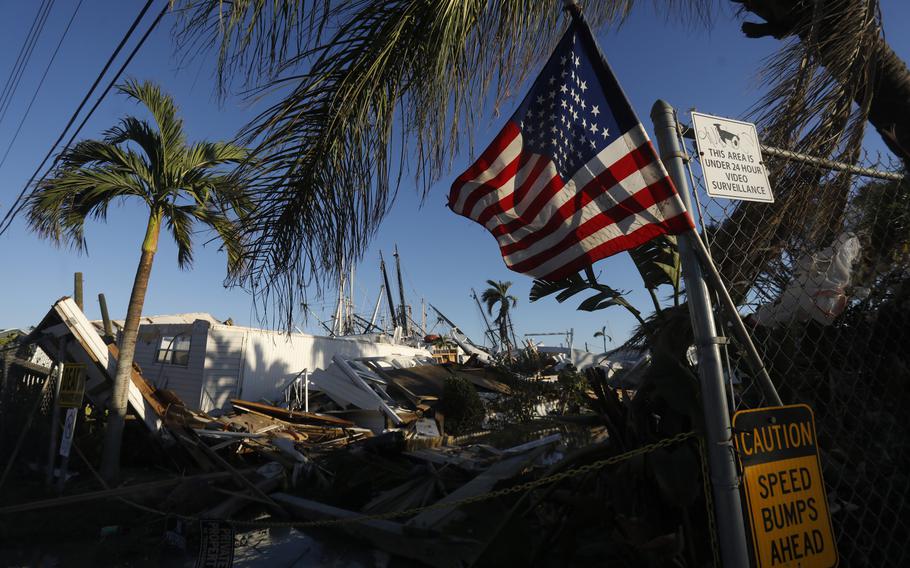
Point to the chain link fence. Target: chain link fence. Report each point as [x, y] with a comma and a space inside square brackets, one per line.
[26, 403]
[822, 278]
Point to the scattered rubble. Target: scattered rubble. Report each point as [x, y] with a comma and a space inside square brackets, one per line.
[377, 448]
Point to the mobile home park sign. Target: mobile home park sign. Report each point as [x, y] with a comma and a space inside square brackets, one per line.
[782, 478]
[730, 157]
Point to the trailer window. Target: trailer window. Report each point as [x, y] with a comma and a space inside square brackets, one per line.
[174, 349]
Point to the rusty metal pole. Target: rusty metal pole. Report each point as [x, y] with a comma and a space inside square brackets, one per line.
[731, 530]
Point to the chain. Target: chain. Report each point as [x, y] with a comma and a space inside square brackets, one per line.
[520, 488]
[709, 502]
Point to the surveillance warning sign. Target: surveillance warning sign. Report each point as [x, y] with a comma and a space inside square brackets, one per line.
[782, 478]
[730, 157]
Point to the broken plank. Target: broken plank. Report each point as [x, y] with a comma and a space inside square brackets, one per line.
[293, 416]
[237, 501]
[273, 506]
[520, 449]
[483, 483]
[439, 550]
[115, 492]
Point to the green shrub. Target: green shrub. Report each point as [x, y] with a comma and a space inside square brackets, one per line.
[463, 409]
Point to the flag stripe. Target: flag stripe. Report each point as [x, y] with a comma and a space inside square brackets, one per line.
[637, 206]
[611, 187]
[673, 226]
[551, 198]
[615, 237]
[505, 148]
[503, 187]
[527, 178]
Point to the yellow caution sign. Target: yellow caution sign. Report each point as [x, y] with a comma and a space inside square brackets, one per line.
[785, 493]
[72, 385]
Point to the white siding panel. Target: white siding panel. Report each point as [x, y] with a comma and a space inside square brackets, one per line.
[272, 360]
[223, 366]
[185, 381]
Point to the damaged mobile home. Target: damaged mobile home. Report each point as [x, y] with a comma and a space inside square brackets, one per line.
[207, 363]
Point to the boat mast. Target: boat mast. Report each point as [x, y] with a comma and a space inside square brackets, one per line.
[350, 318]
[376, 308]
[388, 291]
[404, 308]
[337, 325]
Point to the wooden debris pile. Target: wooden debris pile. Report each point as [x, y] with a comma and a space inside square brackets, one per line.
[374, 450]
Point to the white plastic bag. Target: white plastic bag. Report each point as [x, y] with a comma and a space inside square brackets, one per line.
[818, 290]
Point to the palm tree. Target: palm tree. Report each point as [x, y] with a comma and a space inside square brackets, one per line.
[498, 293]
[180, 184]
[603, 333]
[360, 75]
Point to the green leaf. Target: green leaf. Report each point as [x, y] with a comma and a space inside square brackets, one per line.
[601, 300]
[567, 287]
[658, 261]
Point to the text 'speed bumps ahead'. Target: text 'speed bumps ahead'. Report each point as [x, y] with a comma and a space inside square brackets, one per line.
[785, 494]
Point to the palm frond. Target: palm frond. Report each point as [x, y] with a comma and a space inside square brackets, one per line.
[567, 287]
[564, 289]
[374, 71]
[817, 103]
[164, 112]
[179, 220]
[90, 153]
[252, 38]
[58, 208]
[180, 184]
[140, 132]
[226, 225]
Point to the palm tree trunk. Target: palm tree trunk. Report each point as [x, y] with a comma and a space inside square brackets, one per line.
[110, 460]
[503, 328]
[889, 112]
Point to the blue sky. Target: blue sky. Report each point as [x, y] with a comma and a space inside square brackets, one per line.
[711, 69]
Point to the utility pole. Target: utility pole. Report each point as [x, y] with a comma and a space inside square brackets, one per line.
[106, 319]
[731, 532]
[77, 290]
[404, 309]
[388, 291]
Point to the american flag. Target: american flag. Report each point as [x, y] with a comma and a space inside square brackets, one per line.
[572, 177]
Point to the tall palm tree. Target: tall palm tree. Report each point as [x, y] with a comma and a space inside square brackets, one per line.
[603, 333]
[360, 75]
[181, 185]
[498, 293]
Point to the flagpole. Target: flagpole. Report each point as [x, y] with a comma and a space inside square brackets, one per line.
[731, 531]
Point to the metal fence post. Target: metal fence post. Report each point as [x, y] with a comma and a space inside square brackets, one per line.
[721, 458]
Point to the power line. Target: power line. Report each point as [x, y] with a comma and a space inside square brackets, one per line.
[17, 204]
[40, 84]
[24, 55]
[113, 81]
